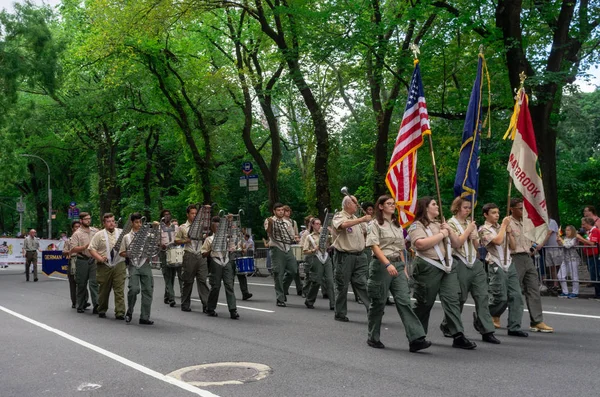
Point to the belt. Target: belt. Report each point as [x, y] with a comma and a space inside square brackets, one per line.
[394, 259]
[83, 257]
[31, 251]
[520, 253]
[350, 253]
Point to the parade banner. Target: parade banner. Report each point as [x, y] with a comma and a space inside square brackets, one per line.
[54, 262]
[11, 250]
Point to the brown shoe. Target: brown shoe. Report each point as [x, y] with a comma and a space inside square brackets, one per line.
[496, 321]
[541, 327]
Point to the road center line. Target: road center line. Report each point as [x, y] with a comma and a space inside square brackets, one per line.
[241, 307]
[116, 357]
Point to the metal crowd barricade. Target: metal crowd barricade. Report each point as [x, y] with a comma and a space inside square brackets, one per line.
[550, 259]
[262, 262]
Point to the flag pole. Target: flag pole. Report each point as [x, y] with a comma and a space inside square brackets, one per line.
[415, 49]
[522, 77]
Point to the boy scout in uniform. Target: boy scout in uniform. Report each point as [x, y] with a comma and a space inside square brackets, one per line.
[194, 266]
[528, 274]
[284, 265]
[140, 278]
[470, 271]
[168, 230]
[109, 277]
[504, 287]
[222, 269]
[350, 260]
[85, 265]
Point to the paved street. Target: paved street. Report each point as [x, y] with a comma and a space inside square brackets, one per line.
[50, 350]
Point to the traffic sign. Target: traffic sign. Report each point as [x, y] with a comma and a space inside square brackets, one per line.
[247, 167]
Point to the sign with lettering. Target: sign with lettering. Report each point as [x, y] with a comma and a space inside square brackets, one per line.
[54, 262]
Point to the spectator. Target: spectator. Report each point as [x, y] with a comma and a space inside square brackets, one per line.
[569, 266]
[591, 254]
[552, 253]
[589, 211]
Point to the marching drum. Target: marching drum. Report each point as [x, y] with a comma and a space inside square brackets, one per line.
[175, 257]
[245, 265]
[297, 250]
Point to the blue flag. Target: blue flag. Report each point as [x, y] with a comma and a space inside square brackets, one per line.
[467, 173]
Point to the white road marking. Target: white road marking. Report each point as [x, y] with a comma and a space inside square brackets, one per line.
[116, 357]
[241, 307]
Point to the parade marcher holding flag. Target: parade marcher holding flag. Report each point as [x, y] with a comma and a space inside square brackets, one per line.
[529, 216]
[471, 274]
[433, 270]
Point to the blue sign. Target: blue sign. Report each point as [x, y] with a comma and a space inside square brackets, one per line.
[247, 167]
[73, 204]
[54, 262]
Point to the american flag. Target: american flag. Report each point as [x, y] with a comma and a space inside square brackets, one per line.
[401, 178]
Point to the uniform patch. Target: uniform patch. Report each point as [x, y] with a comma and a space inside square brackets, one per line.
[412, 227]
[349, 230]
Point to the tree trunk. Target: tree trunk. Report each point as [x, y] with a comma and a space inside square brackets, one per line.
[108, 189]
[150, 146]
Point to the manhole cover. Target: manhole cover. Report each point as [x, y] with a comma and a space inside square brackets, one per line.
[216, 374]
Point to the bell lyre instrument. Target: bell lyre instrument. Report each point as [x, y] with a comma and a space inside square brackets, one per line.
[144, 244]
[114, 258]
[221, 240]
[323, 236]
[200, 226]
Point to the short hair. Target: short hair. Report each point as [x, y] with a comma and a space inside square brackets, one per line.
[74, 223]
[191, 207]
[488, 207]
[278, 205]
[514, 201]
[163, 212]
[588, 219]
[135, 216]
[215, 219]
[346, 200]
[307, 220]
[107, 215]
[366, 205]
[287, 208]
[84, 214]
[456, 204]
[591, 208]
[247, 235]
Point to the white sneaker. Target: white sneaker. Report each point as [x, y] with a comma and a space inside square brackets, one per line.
[543, 288]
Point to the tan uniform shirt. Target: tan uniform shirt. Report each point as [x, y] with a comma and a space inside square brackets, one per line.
[98, 242]
[417, 231]
[487, 233]
[522, 241]
[182, 234]
[351, 239]
[309, 245]
[220, 257]
[473, 236]
[31, 244]
[83, 237]
[286, 233]
[388, 237]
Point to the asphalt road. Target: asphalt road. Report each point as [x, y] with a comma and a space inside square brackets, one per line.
[47, 349]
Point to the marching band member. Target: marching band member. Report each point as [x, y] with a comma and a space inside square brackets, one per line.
[109, 277]
[387, 273]
[168, 230]
[194, 267]
[85, 264]
[287, 214]
[72, 266]
[432, 273]
[284, 265]
[247, 250]
[470, 271]
[321, 269]
[504, 286]
[350, 261]
[140, 278]
[222, 269]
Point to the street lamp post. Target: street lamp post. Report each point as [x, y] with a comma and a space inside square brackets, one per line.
[49, 194]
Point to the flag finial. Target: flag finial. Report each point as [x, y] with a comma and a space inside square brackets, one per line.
[415, 50]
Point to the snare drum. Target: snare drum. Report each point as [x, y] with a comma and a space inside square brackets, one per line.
[297, 250]
[244, 264]
[175, 257]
